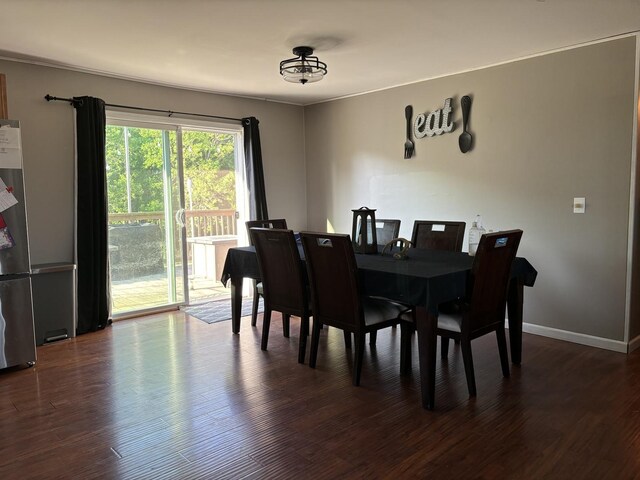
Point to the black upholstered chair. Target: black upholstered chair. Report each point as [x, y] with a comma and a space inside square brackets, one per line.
[257, 287]
[336, 295]
[436, 235]
[483, 309]
[283, 282]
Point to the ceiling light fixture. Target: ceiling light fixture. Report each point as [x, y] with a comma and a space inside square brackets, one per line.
[304, 68]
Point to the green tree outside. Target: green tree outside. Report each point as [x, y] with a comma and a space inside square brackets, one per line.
[209, 162]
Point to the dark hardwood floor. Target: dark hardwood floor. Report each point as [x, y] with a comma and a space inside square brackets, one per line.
[170, 397]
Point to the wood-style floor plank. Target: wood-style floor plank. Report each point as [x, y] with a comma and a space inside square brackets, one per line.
[170, 397]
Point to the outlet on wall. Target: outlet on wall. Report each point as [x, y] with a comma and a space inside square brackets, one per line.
[579, 205]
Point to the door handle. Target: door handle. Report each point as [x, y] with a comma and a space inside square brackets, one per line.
[181, 217]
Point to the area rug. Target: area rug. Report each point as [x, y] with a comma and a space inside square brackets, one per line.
[219, 310]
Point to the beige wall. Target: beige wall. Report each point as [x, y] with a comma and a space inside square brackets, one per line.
[48, 144]
[546, 129]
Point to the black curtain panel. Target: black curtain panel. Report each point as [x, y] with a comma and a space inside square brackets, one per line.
[254, 170]
[91, 215]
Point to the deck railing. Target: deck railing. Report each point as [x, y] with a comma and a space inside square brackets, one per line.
[200, 223]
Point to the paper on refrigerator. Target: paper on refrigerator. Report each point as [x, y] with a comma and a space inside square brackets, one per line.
[7, 199]
[10, 147]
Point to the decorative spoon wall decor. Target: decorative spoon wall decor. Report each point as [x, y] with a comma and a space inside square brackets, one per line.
[465, 140]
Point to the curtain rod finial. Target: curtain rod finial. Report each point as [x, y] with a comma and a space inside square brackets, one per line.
[72, 101]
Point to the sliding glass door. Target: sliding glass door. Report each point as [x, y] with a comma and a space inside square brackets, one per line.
[172, 211]
[211, 205]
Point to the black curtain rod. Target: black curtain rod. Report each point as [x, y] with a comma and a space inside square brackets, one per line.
[169, 113]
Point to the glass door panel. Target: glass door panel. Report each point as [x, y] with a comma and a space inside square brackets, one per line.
[145, 242]
[210, 158]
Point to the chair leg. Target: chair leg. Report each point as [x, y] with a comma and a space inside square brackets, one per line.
[373, 336]
[315, 339]
[360, 339]
[286, 322]
[502, 349]
[302, 341]
[347, 339]
[465, 345]
[444, 347]
[406, 331]
[266, 323]
[256, 304]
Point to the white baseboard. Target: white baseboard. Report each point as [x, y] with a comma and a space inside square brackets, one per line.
[634, 344]
[581, 338]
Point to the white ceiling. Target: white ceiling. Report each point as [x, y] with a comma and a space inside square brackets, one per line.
[235, 46]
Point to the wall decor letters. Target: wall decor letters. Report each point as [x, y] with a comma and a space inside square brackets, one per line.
[434, 123]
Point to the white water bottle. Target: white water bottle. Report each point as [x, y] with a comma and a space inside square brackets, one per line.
[475, 232]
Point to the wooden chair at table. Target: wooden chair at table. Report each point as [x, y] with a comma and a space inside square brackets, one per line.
[283, 281]
[257, 287]
[387, 230]
[336, 297]
[436, 235]
[483, 309]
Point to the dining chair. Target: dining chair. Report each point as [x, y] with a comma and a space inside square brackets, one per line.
[257, 286]
[336, 295]
[436, 235]
[387, 230]
[271, 223]
[483, 308]
[283, 282]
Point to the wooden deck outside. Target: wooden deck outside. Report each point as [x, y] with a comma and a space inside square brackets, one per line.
[140, 294]
[149, 291]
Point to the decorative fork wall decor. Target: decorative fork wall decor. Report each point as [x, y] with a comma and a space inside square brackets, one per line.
[408, 144]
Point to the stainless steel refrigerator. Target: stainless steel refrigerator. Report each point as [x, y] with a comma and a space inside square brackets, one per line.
[17, 341]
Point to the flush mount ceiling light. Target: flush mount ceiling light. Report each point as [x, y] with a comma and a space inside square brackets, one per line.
[304, 68]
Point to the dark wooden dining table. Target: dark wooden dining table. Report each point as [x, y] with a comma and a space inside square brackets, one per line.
[425, 279]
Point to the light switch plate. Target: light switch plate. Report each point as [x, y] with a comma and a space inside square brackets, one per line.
[579, 205]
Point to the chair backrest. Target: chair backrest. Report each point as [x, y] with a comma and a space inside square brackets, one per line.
[387, 230]
[273, 223]
[281, 270]
[489, 278]
[436, 235]
[333, 276]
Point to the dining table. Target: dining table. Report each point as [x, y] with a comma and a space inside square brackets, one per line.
[424, 279]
